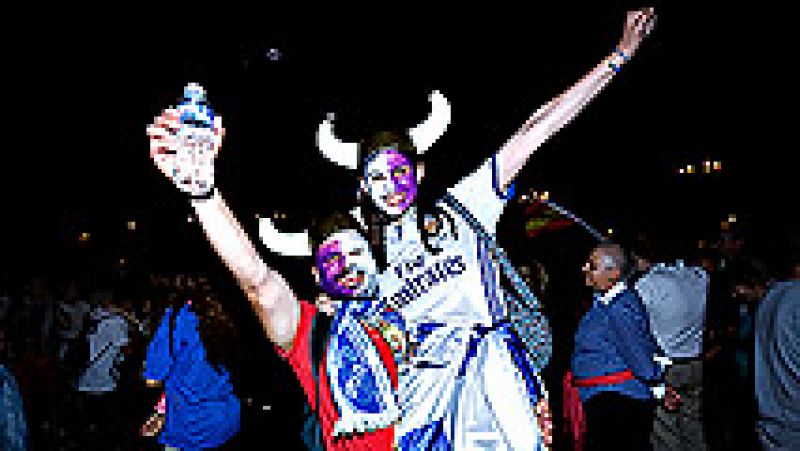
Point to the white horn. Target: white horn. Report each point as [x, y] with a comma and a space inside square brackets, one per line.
[425, 134]
[284, 243]
[334, 149]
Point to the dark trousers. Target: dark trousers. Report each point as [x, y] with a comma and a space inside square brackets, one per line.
[617, 422]
[101, 424]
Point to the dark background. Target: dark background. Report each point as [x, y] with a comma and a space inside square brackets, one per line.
[82, 91]
[710, 83]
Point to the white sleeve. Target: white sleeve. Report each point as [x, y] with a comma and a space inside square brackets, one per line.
[480, 194]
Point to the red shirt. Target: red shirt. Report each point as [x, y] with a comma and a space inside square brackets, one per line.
[298, 358]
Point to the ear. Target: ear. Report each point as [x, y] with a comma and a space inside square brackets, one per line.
[420, 171]
[363, 189]
[315, 273]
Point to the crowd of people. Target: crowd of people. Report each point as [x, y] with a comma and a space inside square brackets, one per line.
[76, 356]
[425, 335]
[721, 331]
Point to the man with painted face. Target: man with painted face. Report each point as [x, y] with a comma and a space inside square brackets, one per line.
[467, 384]
[346, 367]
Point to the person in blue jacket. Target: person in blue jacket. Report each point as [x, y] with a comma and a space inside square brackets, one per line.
[617, 371]
[202, 410]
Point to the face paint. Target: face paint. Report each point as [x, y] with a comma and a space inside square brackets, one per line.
[390, 181]
[346, 266]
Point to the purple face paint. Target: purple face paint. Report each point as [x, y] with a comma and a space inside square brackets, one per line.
[346, 267]
[331, 264]
[390, 181]
[405, 182]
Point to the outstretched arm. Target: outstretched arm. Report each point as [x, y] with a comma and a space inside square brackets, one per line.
[561, 110]
[274, 302]
[190, 167]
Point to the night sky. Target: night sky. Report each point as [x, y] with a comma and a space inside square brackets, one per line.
[83, 91]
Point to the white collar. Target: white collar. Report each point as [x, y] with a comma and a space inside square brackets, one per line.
[609, 295]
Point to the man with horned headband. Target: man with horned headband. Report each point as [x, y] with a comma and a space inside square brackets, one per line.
[345, 364]
[469, 383]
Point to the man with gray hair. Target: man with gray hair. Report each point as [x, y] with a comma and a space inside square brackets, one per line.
[609, 392]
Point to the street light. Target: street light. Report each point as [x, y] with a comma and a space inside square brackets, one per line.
[131, 225]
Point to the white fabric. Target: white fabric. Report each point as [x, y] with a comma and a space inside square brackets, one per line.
[495, 411]
[489, 404]
[609, 295]
[105, 353]
[477, 192]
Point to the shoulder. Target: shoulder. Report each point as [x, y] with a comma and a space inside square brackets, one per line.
[787, 300]
[308, 312]
[628, 301]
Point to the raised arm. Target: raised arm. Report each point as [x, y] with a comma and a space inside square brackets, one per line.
[190, 168]
[559, 111]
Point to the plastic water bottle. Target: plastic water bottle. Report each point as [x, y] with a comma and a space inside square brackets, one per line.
[196, 132]
[197, 118]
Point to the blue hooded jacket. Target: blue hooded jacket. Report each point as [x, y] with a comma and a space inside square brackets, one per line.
[202, 410]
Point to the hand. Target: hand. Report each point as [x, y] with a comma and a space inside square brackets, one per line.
[153, 425]
[672, 400]
[638, 24]
[545, 420]
[188, 163]
[325, 304]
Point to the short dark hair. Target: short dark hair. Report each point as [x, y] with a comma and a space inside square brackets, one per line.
[385, 139]
[327, 226]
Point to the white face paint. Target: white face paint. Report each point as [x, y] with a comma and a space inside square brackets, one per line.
[346, 266]
[390, 181]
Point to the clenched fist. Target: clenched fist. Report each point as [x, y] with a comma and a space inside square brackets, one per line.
[638, 25]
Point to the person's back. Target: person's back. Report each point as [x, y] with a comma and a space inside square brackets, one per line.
[675, 299]
[777, 367]
[105, 352]
[202, 409]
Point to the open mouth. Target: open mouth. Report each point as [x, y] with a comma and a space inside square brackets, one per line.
[395, 199]
[351, 280]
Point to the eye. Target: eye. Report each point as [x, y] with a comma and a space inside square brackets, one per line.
[377, 177]
[356, 252]
[401, 171]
